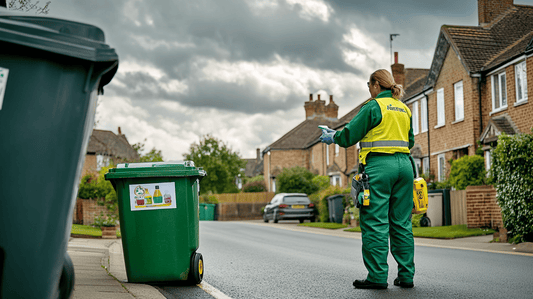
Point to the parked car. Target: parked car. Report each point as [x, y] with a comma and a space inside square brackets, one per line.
[289, 206]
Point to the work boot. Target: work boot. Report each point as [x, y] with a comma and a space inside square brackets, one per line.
[402, 284]
[365, 284]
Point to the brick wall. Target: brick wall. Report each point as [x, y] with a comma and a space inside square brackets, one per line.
[89, 166]
[482, 209]
[240, 211]
[85, 210]
[521, 114]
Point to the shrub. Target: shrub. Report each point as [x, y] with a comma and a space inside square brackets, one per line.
[208, 198]
[108, 221]
[321, 198]
[88, 188]
[467, 171]
[416, 219]
[321, 181]
[512, 176]
[296, 180]
[256, 186]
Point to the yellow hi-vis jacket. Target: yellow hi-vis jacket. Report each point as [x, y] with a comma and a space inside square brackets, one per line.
[392, 134]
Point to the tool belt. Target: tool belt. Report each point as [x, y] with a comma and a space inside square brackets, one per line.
[360, 190]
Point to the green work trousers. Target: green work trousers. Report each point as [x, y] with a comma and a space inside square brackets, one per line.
[389, 213]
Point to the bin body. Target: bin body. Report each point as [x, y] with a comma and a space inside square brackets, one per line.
[336, 210]
[442, 206]
[435, 211]
[207, 211]
[51, 72]
[158, 241]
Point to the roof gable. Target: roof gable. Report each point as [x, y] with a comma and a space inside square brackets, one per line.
[104, 142]
[496, 126]
[438, 60]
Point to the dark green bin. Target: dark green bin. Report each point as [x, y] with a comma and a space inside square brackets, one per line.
[207, 211]
[51, 73]
[160, 229]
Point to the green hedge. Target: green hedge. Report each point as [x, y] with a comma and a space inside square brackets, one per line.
[321, 199]
[468, 171]
[512, 175]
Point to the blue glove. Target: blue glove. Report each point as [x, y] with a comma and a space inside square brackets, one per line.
[327, 136]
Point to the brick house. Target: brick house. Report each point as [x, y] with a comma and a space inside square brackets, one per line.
[477, 86]
[106, 148]
[301, 146]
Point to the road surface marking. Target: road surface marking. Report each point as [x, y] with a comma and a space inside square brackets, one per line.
[211, 290]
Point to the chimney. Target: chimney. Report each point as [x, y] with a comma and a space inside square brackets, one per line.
[318, 108]
[258, 155]
[332, 110]
[488, 10]
[119, 131]
[398, 71]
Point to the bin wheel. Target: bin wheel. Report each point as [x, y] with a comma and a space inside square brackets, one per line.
[301, 220]
[425, 222]
[197, 268]
[275, 217]
[265, 219]
[66, 281]
[312, 219]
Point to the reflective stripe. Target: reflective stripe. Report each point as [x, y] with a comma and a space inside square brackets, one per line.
[385, 143]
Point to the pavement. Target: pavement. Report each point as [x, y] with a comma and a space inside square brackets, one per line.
[101, 272]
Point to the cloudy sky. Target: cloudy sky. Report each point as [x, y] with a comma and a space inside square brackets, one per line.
[241, 70]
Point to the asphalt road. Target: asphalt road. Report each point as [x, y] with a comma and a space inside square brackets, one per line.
[244, 260]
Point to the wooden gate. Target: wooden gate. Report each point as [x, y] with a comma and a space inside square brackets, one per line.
[458, 207]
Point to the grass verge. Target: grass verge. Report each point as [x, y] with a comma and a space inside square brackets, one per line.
[327, 225]
[443, 232]
[86, 230]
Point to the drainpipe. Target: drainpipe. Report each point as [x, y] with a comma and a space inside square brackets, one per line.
[479, 82]
[427, 115]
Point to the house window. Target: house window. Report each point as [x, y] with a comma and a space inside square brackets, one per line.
[101, 161]
[327, 154]
[488, 160]
[239, 182]
[459, 101]
[425, 165]
[499, 92]
[521, 82]
[418, 163]
[414, 116]
[424, 114]
[273, 185]
[336, 180]
[440, 107]
[442, 168]
[337, 149]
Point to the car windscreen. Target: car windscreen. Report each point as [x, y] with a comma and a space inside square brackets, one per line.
[295, 199]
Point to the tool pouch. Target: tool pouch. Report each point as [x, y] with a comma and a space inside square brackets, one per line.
[357, 191]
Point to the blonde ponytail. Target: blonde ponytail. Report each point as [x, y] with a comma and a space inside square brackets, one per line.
[386, 81]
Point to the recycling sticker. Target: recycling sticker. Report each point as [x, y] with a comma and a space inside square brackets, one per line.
[152, 196]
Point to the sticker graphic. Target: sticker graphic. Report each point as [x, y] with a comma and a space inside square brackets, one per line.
[149, 196]
[3, 82]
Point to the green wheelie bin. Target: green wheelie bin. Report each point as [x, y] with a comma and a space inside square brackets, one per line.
[51, 71]
[159, 220]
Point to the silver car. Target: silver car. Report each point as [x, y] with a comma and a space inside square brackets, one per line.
[289, 206]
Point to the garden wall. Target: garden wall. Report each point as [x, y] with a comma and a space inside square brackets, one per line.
[482, 209]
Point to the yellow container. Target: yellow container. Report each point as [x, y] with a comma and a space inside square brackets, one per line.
[420, 196]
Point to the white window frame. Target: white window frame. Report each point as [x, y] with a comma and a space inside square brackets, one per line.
[501, 92]
[423, 115]
[425, 165]
[273, 185]
[414, 115]
[337, 150]
[336, 178]
[488, 160]
[521, 75]
[102, 161]
[441, 165]
[459, 101]
[441, 107]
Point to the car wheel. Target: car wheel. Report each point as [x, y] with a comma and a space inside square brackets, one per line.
[301, 220]
[312, 219]
[265, 219]
[275, 217]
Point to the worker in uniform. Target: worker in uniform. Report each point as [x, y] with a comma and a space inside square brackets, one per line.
[383, 128]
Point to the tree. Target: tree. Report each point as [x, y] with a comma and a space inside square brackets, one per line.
[222, 165]
[152, 156]
[296, 180]
[468, 171]
[27, 6]
[512, 176]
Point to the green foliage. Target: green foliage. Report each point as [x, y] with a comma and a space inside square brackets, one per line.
[88, 188]
[479, 149]
[96, 187]
[257, 186]
[416, 219]
[450, 232]
[296, 180]
[208, 198]
[257, 178]
[108, 220]
[323, 225]
[320, 199]
[512, 175]
[219, 161]
[321, 181]
[152, 156]
[467, 171]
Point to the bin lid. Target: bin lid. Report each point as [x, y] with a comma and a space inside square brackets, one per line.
[155, 169]
[59, 36]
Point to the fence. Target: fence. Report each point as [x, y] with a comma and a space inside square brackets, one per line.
[251, 197]
[458, 207]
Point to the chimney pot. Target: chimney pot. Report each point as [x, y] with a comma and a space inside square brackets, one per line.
[319, 97]
[119, 131]
[258, 154]
[310, 97]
